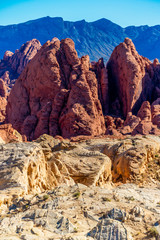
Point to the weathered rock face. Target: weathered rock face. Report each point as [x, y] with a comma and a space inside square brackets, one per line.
[75, 162]
[130, 78]
[3, 100]
[56, 94]
[19, 173]
[10, 68]
[131, 156]
[13, 63]
[3, 90]
[155, 109]
[144, 112]
[48, 162]
[102, 78]
[19, 60]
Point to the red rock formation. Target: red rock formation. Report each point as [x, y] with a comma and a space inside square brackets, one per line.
[56, 94]
[3, 104]
[130, 78]
[155, 62]
[145, 126]
[109, 121]
[155, 110]
[130, 123]
[8, 134]
[145, 112]
[60, 94]
[3, 100]
[13, 63]
[102, 77]
[19, 60]
[133, 79]
[3, 89]
[113, 122]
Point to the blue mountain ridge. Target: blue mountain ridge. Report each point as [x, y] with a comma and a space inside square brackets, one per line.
[97, 39]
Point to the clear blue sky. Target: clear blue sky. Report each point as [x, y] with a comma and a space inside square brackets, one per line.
[122, 12]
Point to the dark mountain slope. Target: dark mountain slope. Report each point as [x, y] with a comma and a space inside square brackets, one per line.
[98, 39]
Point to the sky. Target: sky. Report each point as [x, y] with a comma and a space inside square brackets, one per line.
[123, 12]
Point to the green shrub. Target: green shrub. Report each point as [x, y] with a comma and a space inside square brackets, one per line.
[76, 195]
[153, 232]
[45, 197]
[105, 199]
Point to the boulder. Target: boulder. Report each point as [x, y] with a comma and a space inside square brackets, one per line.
[145, 126]
[130, 123]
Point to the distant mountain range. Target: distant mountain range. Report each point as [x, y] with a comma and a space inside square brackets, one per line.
[97, 39]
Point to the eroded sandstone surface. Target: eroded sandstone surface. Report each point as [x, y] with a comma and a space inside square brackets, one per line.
[91, 189]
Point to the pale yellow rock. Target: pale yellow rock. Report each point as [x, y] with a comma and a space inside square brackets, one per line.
[35, 167]
[130, 156]
[23, 170]
[40, 200]
[83, 166]
[73, 161]
[1, 141]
